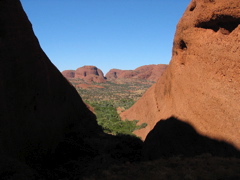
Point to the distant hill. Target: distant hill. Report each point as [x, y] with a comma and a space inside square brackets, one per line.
[93, 74]
[148, 72]
[87, 73]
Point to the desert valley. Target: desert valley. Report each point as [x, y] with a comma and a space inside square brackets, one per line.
[176, 121]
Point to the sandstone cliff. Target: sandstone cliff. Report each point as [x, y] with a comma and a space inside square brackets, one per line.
[201, 85]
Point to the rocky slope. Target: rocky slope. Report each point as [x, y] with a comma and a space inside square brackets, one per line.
[149, 72]
[201, 85]
[38, 107]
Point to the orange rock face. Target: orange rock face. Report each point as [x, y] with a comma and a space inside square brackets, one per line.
[90, 74]
[201, 85]
[149, 72]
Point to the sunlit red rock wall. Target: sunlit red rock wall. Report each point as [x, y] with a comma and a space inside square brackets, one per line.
[201, 86]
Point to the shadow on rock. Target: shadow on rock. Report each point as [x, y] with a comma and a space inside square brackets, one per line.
[173, 137]
[76, 157]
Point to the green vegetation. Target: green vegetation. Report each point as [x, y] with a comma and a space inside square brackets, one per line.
[111, 98]
[113, 90]
[109, 119]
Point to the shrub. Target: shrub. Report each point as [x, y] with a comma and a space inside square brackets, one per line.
[108, 118]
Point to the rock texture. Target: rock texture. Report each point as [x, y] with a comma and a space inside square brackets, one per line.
[68, 73]
[90, 74]
[201, 85]
[38, 106]
[149, 72]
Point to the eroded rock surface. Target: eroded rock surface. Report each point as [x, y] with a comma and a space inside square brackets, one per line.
[201, 85]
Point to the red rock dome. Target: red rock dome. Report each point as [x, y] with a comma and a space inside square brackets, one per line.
[90, 74]
[201, 85]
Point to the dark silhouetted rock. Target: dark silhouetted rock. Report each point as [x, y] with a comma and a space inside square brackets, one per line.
[38, 106]
[201, 84]
[173, 137]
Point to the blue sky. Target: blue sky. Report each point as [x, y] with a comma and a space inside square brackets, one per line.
[122, 34]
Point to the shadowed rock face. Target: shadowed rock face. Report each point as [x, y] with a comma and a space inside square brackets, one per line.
[149, 72]
[173, 137]
[38, 106]
[90, 74]
[201, 85]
